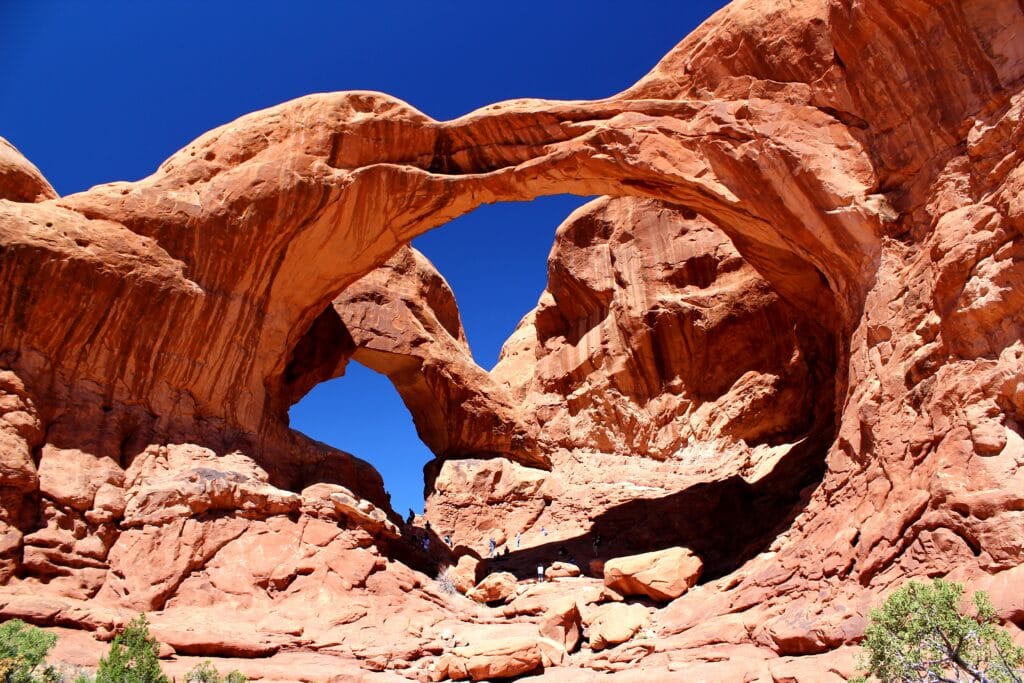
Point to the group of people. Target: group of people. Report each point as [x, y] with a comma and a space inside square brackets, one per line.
[492, 546]
[427, 531]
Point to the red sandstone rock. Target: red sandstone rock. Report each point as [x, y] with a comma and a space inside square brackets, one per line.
[688, 391]
[660, 575]
[562, 624]
[497, 587]
[20, 181]
[557, 570]
[464, 573]
[499, 659]
[403, 321]
[791, 342]
[615, 623]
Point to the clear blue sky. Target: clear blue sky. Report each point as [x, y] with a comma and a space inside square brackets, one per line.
[98, 91]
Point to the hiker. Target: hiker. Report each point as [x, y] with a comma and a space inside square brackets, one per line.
[518, 539]
[493, 546]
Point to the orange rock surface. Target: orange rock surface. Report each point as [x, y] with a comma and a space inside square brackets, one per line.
[659, 575]
[787, 337]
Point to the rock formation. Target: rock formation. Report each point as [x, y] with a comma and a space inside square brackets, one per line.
[788, 340]
[656, 363]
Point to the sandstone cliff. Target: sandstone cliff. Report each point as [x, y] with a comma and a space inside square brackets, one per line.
[794, 335]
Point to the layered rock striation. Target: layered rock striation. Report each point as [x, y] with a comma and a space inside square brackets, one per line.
[797, 316]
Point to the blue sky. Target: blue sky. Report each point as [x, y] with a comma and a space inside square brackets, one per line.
[98, 91]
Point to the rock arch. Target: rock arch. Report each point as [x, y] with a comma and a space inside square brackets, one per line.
[314, 199]
[862, 156]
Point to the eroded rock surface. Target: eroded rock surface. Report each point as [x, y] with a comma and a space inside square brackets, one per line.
[657, 361]
[660, 575]
[789, 339]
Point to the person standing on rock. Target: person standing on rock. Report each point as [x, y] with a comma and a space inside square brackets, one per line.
[518, 539]
[493, 545]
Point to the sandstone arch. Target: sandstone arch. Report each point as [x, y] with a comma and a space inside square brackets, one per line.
[334, 204]
[863, 156]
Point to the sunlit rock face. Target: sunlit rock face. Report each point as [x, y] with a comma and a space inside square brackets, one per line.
[404, 322]
[654, 334]
[862, 160]
[657, 361]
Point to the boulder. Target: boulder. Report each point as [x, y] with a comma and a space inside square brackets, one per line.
[496, 587]
[660, 575]
[20, 180]
[558, 570]
[464, 574]
[503, 658]
[561, 623]
[615, 623]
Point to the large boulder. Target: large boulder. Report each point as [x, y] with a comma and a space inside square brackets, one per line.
[562, 624]
[504, 658]
[464, 574]
[560, 570]
[615, 623]
[496, 587]
[660, 575]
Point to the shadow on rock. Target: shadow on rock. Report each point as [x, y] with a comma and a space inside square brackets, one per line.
[725, 522]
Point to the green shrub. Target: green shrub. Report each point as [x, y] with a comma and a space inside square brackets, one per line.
[919, 634]
[133, 657]
[23, 651]
[206, 673]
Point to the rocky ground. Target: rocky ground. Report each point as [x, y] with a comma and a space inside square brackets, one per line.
[785, 346]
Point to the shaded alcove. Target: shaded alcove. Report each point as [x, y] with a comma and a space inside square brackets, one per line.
[726, 522]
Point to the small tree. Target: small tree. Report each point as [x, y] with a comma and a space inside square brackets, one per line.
[23, 651]
[205, 672]
[133, 657]
[919, 635]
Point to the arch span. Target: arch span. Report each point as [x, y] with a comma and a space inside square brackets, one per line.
[318, 191]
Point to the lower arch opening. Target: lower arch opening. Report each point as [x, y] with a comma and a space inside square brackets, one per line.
[361, 413]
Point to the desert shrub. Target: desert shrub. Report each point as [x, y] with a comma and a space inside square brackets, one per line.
[133, 657]
[919, 634]
[207, 673]
[23, 651]
[445, 582]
